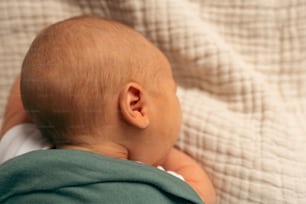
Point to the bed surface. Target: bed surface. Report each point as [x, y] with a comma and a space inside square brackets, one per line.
[241, 71]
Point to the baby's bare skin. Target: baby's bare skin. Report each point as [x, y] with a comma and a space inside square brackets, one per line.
[137, 114]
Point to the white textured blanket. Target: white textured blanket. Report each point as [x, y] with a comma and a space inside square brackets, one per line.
[241, 67]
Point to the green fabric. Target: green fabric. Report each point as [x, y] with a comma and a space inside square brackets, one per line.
[70, 176]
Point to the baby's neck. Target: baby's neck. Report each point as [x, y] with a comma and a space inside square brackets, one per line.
[107, 149]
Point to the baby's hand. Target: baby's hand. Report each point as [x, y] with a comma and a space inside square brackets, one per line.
[193, 174]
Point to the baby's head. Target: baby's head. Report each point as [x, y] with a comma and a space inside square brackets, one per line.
[88, 82]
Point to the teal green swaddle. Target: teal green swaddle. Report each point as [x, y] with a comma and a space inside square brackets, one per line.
[70, 176]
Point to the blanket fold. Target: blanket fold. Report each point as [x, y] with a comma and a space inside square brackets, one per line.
[70, 176]
[240, 67]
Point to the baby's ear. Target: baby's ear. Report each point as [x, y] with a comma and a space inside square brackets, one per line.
[133, 105]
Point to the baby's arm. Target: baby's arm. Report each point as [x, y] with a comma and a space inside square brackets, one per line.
[14, 113]
[193, 174]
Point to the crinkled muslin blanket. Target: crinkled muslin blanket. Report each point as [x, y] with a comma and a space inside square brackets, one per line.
[241, 70]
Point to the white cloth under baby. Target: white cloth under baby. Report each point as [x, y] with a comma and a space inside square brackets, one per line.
[21, 139]
[172, 173]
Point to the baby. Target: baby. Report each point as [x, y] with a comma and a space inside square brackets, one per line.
[95, 85]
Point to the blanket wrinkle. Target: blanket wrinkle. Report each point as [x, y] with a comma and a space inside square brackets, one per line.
[240, 68]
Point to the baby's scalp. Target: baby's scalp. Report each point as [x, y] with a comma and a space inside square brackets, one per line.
[74, 66]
